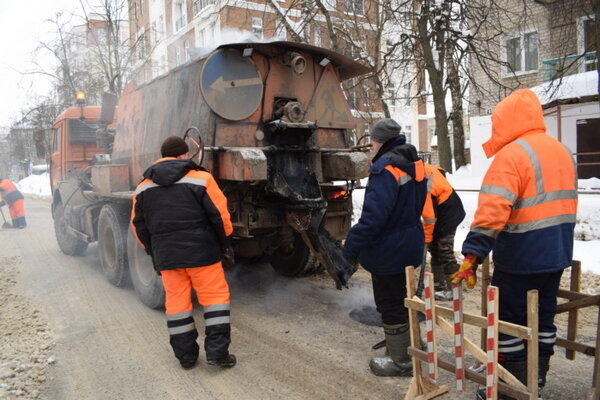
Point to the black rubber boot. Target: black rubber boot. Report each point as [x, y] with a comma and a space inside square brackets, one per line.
[225, 362]
[216, 345]
[543, 367]
[398, 363]
[518, 369]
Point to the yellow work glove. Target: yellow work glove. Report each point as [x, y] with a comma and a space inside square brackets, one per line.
[466, 271]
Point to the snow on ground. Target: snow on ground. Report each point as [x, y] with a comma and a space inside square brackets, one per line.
[587, 230]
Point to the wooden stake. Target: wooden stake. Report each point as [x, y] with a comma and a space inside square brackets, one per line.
[429, 298]
[492, 344]
[573, 314]
[532, 344]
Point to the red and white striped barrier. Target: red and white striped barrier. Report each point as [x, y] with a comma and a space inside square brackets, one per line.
[492, 344]
[458, 335]
[428, 298]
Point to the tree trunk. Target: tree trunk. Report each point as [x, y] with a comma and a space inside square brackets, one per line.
[457, 113]
[437, 87]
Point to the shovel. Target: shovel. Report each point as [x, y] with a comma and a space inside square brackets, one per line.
[5, 225]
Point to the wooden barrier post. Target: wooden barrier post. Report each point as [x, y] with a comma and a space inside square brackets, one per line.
[432, 368]
[533, 351]
[458, 336]
[420, 388]
[424, 388]
[573, 314]
[491, 387]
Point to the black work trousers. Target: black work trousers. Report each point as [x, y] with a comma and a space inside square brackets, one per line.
[389, 292]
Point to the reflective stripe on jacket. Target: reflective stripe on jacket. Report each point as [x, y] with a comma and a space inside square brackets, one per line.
[9, 192]
[389, 234]
[443, 210]
[528, 200]
[180, 215]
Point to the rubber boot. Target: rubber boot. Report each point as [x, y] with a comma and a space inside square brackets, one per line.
[443, 291]
[398, 363]
[518, 369]
[543, 367]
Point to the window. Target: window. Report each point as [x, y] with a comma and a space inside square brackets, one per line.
[140, 46]
[407, 131]
[200, 5]
[179, 14]
[391, 89]
[281, 32]
[330, 5]
[354, 7]
[257, 27]
[177, 55]
[318, 41]
[186, 50]
[522, 52]
[589, 44]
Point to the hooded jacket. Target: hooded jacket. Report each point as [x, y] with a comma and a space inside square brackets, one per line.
[527, 203]
[389, 234]
[180, 215]
[443, 210]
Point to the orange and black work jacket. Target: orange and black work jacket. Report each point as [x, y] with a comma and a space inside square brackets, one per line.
[389, 234]
[528, 199]
[180, 215]
[9, 192]
[443, 210]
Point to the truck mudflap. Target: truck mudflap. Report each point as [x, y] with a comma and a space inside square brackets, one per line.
[308, 223]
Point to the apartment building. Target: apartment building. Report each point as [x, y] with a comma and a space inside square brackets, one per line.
[168, 33]
[551, 39]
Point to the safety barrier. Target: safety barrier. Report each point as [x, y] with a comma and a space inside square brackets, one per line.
[422, 387]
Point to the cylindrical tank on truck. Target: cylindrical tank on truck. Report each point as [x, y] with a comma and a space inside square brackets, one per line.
[271, 123]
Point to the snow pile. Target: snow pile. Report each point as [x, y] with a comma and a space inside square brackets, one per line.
[35, 184]
[591, 184]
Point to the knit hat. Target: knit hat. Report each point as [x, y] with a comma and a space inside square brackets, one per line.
[173, 146]
[385, 130]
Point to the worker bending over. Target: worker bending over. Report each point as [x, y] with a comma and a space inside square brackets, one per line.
[442, 214]
[12, 197]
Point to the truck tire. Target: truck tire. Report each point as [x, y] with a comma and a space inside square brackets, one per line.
[112, 244]
[146, 282]
[68, 244]
[292, 260]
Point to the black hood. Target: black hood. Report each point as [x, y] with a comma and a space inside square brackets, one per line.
[398, 151]
[168, 171]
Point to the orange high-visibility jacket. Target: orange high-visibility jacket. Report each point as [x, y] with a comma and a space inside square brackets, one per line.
[443, 210]
[9, 192]
[528, 199]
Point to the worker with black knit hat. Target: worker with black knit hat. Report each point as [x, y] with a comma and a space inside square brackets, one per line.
[180, 218]
[389, 237]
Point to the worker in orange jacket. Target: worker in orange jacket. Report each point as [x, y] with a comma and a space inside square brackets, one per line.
[16, 204]
[442, 213]
[180, 218]
[526, 215]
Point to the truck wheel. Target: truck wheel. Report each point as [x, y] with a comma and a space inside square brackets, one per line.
[292, 259]
[112, 231]
[68, 244]
[147, 283]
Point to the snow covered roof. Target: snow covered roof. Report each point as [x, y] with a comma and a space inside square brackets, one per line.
[570, 87]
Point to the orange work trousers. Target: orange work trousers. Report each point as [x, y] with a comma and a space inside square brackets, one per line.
[17, 212]
[208, 282]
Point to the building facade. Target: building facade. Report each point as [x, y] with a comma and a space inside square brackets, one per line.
[551, 40]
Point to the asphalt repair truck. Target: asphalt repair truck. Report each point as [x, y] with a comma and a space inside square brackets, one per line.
[268, 120]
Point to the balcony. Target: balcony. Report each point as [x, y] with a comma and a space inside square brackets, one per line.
[200, 5]
[569, 65]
